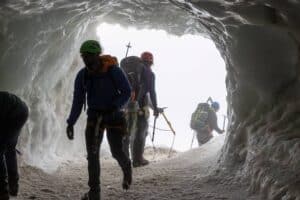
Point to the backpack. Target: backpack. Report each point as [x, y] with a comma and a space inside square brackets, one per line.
[199, 118]
[109, 64]
[133, 67]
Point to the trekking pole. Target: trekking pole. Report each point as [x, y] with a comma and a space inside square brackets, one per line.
[171, 148]
[172, 129]
[152, 139]
[127, 50]
[224, 120]
[194, 135]
[154, 127]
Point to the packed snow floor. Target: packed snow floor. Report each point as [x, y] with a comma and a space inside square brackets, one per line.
[184, 176]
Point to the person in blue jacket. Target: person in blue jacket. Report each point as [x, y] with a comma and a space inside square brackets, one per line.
[105, 87]
[13, 115]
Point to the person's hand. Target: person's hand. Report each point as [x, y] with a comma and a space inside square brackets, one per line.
[70, 132]
[156, 111]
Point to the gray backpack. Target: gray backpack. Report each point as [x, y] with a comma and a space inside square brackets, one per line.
[133, 67]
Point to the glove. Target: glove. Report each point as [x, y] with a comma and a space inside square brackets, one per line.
[156, 111]
[70, 132]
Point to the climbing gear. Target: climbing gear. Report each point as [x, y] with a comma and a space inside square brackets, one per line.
[170, 126]
[91, 46]
[199, 118]
[154, 125]
[108, 63]
[147, 56]
[168, 122]
[133, 67]
[224, 121]
[127, 49]
[194, 135]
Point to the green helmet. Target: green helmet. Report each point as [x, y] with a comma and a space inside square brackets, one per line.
[91, 46]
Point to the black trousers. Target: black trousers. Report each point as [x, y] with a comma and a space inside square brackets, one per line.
[131, 118]
[139, 139]
[9, 134]
[203, 136]
[94, 136]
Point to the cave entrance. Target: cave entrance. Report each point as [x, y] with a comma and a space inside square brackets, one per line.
[188, 70]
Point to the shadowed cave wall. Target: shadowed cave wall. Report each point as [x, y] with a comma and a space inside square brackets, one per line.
[258, 39]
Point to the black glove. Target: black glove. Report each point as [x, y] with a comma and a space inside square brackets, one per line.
[70, 132]
[156, 111]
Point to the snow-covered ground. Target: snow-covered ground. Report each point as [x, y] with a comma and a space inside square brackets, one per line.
[186, 176]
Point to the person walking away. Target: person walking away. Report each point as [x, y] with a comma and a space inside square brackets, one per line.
[204, 121]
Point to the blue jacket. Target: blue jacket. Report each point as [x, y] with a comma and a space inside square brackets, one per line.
[105, 92]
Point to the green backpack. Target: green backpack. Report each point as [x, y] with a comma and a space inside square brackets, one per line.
[199, 118]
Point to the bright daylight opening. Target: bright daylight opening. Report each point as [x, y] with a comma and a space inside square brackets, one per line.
[188, 70]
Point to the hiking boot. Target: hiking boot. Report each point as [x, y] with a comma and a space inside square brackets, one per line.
[141, 163]
[127, 179]
[91, 196]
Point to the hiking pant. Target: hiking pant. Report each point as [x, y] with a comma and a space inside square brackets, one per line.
[131, 118]
[94, 135]
[10, 131]
[139, 138]
[203, 136]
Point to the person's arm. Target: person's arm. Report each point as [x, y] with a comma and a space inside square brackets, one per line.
[214, 122]
[123, 87]
[152, 91]
[78, 99]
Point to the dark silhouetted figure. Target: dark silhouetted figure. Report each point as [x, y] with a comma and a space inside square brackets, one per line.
[107, 90]
[13, 115]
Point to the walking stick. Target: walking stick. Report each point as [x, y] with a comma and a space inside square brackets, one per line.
[154, 127]
[194, 135]
[224, 120]
[152, 139]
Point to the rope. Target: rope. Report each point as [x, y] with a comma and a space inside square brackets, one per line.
[160, 129]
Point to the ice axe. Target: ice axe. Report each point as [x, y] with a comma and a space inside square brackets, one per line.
[168, 122]
[127, 50]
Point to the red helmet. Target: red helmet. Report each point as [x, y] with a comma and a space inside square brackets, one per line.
[147, 56]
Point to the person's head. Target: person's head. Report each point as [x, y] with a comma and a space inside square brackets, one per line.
[216, 106]
[147, 58]
[90, 51]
